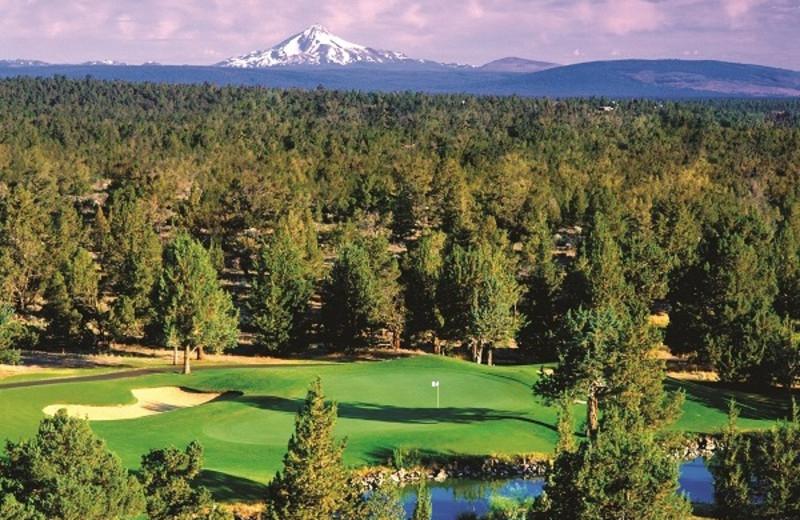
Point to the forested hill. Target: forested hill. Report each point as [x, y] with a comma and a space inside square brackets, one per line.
[662, 79]
[416, 196]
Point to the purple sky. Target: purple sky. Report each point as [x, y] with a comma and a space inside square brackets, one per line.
[201, 32]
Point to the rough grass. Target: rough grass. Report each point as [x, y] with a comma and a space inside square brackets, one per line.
[381, 405]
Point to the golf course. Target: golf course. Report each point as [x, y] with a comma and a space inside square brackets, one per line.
[382, 406]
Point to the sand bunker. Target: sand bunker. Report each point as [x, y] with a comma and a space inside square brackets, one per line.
[150, 401]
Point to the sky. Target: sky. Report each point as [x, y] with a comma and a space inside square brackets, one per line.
[204, 32]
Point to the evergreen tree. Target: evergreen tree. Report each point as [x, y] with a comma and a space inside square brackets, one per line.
[8, 354]
[777, 469]
[65, 324]
[82, 278]
[732, 472]
[167, 476]
[623, 473]
[758, 476]
[606, 357]
[65, 472]
[362, 294]
[543, 278]
[314, 483]
[24, 233]
[282, 287]
[131, 255]
[787, 258]
[422, 269]
[625, 468]
[728, 301]
[479, 292]
[194, 312]
[601, 258]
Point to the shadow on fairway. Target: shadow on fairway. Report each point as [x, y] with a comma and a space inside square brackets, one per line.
[228, 488]
[770, 405]
[398, 414]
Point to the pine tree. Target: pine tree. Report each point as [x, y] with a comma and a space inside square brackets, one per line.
[732, 471]
[282, 287]
[728, 301]
[422, 269]
[65, 324]
[24, 237]
[777, 469]
[362, 294]
[627, 473]
[66, 472]
[8, 354]
[601, 258]
[131, 254]
[167, 476]
[541, 301]
[194, 312]
[624, 473]
[479, 292]
[314, 483]
[606, 358]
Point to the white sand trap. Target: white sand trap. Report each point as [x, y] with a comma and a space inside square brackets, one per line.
[150, 401]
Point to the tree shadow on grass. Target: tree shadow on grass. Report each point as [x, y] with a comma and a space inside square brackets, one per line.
[768, 405]
[398, 414]
[229, 488]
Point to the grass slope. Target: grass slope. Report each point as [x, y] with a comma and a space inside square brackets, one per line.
[382, 405]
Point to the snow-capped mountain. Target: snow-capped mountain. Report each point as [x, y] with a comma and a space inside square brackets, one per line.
[316, 46]
[111, 63]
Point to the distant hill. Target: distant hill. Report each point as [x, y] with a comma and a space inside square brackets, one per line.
[22, 63]
[655, 79]
[513, 64]
[662, 78]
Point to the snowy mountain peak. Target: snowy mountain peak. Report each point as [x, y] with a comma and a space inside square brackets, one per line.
[315, 46]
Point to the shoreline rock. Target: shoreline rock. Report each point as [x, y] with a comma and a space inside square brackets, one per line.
[478, 468]
[493, 468]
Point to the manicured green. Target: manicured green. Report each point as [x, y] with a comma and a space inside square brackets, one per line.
[382, 405]
[706, 407]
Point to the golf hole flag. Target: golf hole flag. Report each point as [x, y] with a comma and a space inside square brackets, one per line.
[434, 383]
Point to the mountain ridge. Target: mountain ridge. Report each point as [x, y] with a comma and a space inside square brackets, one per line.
[653, 79]
[516, 64]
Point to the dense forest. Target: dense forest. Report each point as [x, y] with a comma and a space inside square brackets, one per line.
[347, 220]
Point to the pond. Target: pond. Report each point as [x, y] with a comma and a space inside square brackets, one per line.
[453, 497]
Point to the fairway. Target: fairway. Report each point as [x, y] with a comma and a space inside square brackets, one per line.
[382, 405]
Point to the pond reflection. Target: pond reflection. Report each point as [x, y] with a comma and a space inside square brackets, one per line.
[456, 496]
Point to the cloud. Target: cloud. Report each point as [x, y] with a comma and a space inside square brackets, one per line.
[737, 8]
[467, 31]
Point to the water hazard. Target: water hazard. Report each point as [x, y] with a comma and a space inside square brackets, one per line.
[454, 497]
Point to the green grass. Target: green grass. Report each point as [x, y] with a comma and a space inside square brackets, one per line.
[706, 406]
[382, 405]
